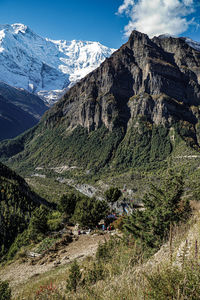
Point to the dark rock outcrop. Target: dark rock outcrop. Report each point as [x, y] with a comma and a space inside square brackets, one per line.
[163, 68]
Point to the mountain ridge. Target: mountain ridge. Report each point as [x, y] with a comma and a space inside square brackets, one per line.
[167, 66]
[122, 114]
[43, 66]
[19, 111]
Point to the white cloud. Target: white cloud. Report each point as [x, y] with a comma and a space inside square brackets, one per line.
[127, 4]
[155, 17]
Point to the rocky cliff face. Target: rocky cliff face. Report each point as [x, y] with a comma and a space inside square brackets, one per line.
[158, 78]
[122, 114]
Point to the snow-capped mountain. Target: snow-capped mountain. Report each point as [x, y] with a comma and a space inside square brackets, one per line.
[43, 66]
[193, 44]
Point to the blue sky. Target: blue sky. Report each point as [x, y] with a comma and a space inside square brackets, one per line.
[106, 21]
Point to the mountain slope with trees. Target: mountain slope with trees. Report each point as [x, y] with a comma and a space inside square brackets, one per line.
[17, 203]
[132, 111]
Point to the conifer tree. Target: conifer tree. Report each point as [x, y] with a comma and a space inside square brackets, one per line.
[162, 206]
[90, 211]
[74, 277]
[67, 203]
[113, 194]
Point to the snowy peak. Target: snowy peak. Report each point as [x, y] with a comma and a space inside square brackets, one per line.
[17, 27]
[193, 44]
[81, 57]
[14, 28]
[43, 66]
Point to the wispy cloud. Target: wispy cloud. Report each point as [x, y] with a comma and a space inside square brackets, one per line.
[126, 6]
[155, 17]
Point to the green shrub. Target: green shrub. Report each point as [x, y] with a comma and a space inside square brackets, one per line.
[5, 291]
[105, 251]
[46, 244]
[74, 277]
[54, 221]
[174, 283]
[95, 273]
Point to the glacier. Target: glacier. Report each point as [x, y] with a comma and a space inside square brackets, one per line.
[43, 66]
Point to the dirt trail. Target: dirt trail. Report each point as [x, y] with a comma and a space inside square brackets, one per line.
[86, 245]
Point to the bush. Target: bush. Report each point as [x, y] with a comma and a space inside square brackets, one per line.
[47, 292]
[119, 223]
[54, 221]
[103, 252]
[46, 244]
[106, 250]
[173, 283]
[74, 277]
[5, 291]
[95, 273]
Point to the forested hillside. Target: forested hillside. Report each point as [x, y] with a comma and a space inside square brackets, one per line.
[17, 203]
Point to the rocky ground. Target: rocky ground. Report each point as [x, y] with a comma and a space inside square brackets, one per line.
[63, 252]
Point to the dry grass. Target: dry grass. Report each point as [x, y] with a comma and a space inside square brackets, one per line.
[128, 275]
[195, 205]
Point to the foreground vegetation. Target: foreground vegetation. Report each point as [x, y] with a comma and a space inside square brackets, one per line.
[122, 269]
[17, 203]
[27, 219]
[125, 266]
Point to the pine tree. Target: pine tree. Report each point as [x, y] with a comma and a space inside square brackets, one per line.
[38, 223]
[67, 203]
[74, 277]
[90, 211]
[162, 206]
[5, 291]
[113, 194]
